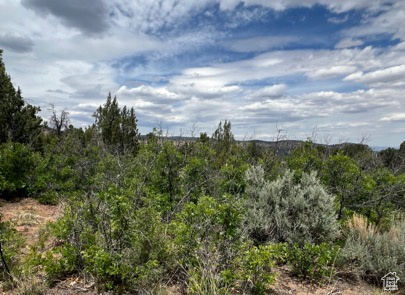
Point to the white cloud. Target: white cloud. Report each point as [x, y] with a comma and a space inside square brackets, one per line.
[278, 64]
[396, 117]
[348, 43]
[334, 71]
[272, 91]
[145, 92]
[279, 5]
[296, 87]
[389, 20]
[340, 125]
[388, 75]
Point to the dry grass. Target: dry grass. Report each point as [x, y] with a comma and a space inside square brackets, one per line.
[30, 286]
[29, 216]
[360, 225]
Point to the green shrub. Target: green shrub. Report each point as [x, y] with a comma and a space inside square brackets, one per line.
[315, 262]
[207, 239]
[372, 253]
[289, 211]
[48, 198]
[125, 248]
[256, 269]
[11, 244]
[60, 262]
[106, 267]
[16, 163]
[208, 220]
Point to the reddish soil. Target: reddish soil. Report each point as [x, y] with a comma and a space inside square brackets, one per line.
[28, 216]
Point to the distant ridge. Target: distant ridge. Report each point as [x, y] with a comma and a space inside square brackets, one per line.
[282, 146]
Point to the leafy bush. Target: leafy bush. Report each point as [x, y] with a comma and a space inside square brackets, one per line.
[288, 211]
[48, 197]
[60, 262]
[255, 268]
[206, 237]
[125, 248]
[311, 261]
[16, 162]
[208, 220]
[11, 244]
[373, 253]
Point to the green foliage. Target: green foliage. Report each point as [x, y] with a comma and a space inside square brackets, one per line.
[391, 158]
[224, 142]
[48, 198]
[18, 120]
[315, 262]
[11, 244]
[108, 236]
[255, 270]
[286, 210]
[118, 127]
[206, 238]
[169, 163]
[304, 158]
[206, 221]
[59, 262]
[373, 253]
[16, 164]
[232, 180]
[342, 176]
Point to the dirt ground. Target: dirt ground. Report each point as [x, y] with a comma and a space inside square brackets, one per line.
[29, 217]
[286, 283]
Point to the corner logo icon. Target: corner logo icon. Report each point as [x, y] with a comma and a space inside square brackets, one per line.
[390, 281]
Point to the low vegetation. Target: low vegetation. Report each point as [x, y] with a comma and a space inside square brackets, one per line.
[209, 215]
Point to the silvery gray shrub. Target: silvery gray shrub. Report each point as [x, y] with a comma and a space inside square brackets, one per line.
[287, 210]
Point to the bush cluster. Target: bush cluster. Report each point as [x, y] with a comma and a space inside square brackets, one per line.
[374, 253]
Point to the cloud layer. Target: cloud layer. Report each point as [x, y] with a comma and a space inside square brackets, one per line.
[298, 64]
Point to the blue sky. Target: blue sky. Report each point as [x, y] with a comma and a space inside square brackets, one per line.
[331, 70]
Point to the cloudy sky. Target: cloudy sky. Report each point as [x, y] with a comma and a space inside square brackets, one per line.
[337, 67]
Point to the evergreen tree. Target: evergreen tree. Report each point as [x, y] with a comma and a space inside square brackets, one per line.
[118, 128]
[18, 120]
[224, 141]
[129, 131]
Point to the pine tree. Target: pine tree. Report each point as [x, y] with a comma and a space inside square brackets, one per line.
[18, 120]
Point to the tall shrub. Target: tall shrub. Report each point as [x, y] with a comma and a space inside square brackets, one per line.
[287, 210]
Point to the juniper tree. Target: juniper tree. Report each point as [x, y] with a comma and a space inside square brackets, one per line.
[118, 128]
[18, 120]
[223, 141]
